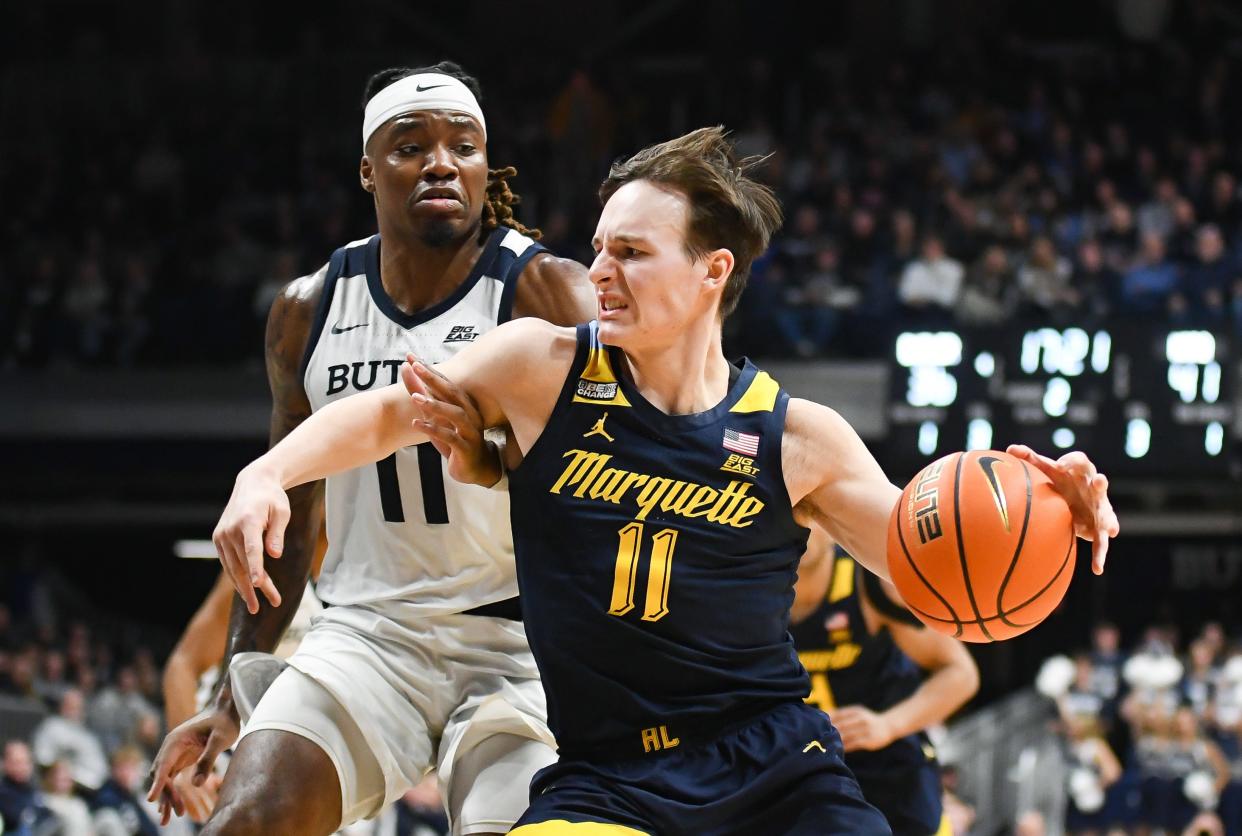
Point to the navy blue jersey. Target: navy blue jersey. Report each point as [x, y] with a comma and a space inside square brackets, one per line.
[656, 560]
[849, 665]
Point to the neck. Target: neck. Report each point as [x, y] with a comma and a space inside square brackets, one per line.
[689, 374]
[417, 276]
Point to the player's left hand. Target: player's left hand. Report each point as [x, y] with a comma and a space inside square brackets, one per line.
[449, 417]
[1085, 489]
[861, 728]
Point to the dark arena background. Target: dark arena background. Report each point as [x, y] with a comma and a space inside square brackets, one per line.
[1005, 222]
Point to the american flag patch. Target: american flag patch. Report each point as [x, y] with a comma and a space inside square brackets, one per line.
[745, 443]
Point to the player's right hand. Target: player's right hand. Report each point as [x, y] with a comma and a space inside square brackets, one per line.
[197, 742]
[254, 520]
[199, 800]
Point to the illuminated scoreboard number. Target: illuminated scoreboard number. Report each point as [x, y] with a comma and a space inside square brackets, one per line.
[925, 417]
[1053, 389]
[1178, 406]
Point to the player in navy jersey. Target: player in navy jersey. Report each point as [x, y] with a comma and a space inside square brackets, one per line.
[660, 504]
[866, 655]
[420, 635]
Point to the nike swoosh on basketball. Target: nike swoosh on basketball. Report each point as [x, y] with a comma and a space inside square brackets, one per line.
[337, 329]
[998, 492]
[421, 89]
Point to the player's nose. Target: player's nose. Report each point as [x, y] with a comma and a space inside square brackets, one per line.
[439, 164]
[602, 269]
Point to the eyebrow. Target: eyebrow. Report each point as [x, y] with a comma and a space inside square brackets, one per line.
[625, 238]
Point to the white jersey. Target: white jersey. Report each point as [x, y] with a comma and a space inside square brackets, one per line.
[402, 530]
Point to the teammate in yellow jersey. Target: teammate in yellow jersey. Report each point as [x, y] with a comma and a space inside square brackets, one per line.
[681, 710]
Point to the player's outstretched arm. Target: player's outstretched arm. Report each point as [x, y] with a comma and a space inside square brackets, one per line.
[834, 480]
[952, 678]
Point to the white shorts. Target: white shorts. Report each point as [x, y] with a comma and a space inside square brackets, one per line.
[387, 700]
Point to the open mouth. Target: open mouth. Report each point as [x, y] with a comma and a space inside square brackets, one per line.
[611, 305]
[442, 196]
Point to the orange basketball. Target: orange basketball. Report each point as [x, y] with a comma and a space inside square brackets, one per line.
[980, 546]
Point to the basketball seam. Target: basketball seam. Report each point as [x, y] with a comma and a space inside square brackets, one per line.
[1012, 609]
[961, 545]
[901, 539]
[1017, 551]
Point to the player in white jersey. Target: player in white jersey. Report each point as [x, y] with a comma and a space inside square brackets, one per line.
[418, 660]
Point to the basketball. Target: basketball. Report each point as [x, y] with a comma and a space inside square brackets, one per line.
[980, 546]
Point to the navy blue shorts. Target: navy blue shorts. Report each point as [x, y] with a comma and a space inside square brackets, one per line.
[780, 773]
[909, 795]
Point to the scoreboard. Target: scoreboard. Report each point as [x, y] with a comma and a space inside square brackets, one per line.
[1141, 402]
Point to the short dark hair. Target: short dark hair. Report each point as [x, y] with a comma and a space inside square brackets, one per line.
[386, 77]
[727, 208]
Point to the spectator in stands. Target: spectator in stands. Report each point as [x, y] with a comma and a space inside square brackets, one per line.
[22, 674]
[1146, 287]
[69, 809]
[116, 711]
[52, 685]
[85, 307]
[1198, 772]
[118, 806]
[1201, 299]
[1099, 285]
[1118, 237]
[1081, 700]
[1044, 279]
[1092, 769]
[809, 313]
[22, 810]
[1106, 660]
[1157, 215]
[64, 737]
[1231, 799]
[990, 294]
[930, 285]
[1181, 243]
[1199, 683]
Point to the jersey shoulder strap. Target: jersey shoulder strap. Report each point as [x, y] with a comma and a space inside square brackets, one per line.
[515, 252]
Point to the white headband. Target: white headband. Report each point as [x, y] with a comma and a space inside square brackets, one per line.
[426, 91]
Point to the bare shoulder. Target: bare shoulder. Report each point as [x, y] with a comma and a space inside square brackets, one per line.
[289, 325]
[554, 289]
[292, 314]
[816, 440]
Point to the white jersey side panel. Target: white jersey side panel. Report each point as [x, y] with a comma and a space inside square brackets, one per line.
[404, 529]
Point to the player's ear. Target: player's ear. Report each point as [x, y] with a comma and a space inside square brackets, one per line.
[366, 175]
[719, 264]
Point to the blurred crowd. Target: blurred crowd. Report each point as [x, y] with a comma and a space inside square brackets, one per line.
[964, 187]
[81, 718]
[1152, 738]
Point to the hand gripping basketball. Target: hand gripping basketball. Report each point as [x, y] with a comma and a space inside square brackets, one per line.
[981, 544]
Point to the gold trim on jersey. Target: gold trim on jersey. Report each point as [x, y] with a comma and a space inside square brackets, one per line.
[561, 827]
[598, 383]
[760, 395]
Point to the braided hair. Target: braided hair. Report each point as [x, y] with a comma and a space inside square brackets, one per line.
[499, 198]
[497, 209]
